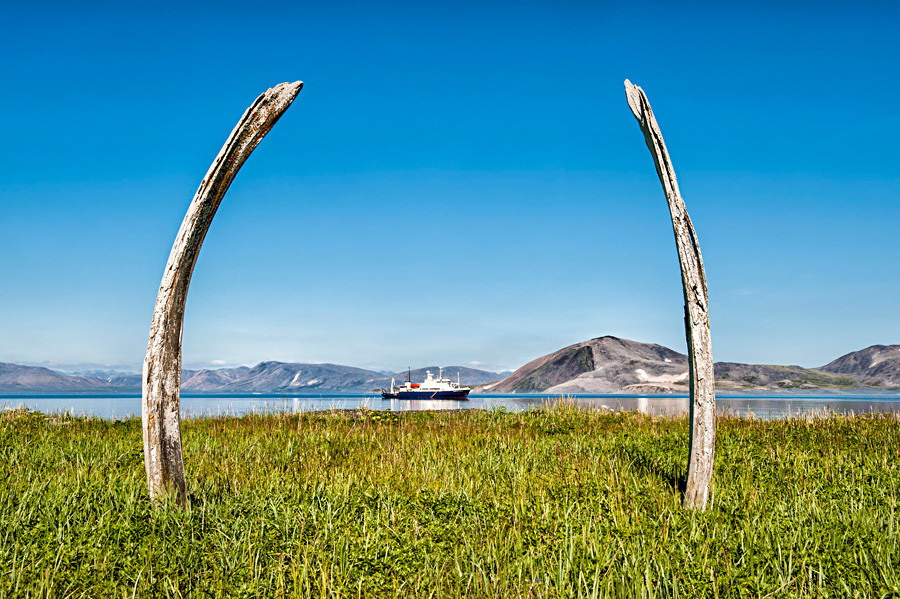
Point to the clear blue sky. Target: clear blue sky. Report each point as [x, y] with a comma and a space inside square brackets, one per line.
[456, 183]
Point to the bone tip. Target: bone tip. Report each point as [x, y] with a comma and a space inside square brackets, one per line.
[632, 94]
[631, 88]
[295, 88]
[288, 87]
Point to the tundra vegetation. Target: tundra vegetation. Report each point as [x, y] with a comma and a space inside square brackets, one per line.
[555, 502]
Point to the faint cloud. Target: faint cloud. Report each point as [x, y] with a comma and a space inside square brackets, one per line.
[218, 362]
[476, 363]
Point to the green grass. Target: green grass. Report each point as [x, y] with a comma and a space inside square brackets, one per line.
[560, 502]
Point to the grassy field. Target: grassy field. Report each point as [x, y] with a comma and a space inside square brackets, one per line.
[559, 502]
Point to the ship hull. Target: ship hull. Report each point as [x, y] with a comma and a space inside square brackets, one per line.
[417, 394]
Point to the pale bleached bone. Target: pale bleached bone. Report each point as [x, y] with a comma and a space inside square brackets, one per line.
[161, 386]
[696, 311]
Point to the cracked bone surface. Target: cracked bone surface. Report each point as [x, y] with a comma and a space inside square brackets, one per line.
[696, 310]
[161, 384]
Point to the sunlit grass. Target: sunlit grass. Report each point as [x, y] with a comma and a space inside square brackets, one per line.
[546, 503]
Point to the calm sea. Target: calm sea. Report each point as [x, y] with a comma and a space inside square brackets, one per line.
[127, 406]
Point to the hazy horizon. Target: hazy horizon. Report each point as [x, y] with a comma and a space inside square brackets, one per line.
[74, 368]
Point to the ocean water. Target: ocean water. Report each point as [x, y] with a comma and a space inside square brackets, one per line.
[193, 406]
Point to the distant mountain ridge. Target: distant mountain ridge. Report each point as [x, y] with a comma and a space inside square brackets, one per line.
[265, 377]
[15, 378]
[201, 380]
[283, 377]
[601, 365]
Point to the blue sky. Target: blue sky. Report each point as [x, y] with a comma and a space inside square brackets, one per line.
[456, 183]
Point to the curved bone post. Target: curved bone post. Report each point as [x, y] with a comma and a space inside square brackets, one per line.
[161, 385]
[696, 310]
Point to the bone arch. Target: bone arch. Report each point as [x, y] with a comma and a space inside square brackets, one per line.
[161, 379]
[696, 310]
[160, 398]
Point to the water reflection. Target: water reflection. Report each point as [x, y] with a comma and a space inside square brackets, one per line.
[118, 406]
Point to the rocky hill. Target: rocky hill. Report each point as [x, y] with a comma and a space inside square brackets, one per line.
[613, 365]
[875, 366]
[601, 365]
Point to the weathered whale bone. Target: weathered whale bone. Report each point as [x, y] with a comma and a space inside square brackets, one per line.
[161, 385]
[696, 310]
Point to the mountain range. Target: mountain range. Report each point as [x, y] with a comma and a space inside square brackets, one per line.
[601, 365]
[265, 377]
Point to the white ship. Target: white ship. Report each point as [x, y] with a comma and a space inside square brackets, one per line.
[430, 388]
